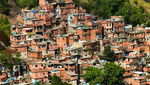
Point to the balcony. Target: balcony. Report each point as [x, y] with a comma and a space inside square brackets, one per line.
[18, 45]
[39, 43]
[59, 69]
[75, 25]
[85, 33]
[39, 30]
[70, 67]
[74, 54]
[141, 55]
[127, 74]
[39, 69]
[142, 48]
[119, 56]
[31, 33]
[86, 57]
[118, 31]
[82, 11]
[146, 69]
[130, 62]
[129, 49]
[91, 23]
[148, 65]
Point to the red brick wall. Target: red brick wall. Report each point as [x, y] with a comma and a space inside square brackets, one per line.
[42, 2]
[35, 54]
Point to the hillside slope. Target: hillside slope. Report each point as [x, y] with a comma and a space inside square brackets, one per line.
[134, 11]
[4, 32]
[13, 10]
[8, 12]
[144, 3]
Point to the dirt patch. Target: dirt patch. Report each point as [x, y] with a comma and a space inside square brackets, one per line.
[13, 10]
[12, 20]
[4, 39]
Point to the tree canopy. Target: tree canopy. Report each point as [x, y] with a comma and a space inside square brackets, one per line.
[106, 8]
[3, 6]
[108, 54]
[27, 3]
[7, 59]
[57, 81]
[111, 75]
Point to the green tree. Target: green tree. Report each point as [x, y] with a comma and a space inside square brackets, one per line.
[57, 81]
[106, 8]
[7, 60]
[27, 3]
[111, 75]
[4, 31]
[3, 6]
[148, 23]
[91, 73]
[108, 54]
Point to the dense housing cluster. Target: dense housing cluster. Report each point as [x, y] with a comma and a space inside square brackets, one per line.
[57, 38]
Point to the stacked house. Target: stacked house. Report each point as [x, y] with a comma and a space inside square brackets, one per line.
[58, 38]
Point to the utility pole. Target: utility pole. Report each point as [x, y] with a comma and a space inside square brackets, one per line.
[78, 71]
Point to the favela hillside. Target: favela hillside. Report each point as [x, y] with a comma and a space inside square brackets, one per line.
[74, 42]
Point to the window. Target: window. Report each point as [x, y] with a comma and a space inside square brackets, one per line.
[36, 66]
[107, 24]
[41, 65]
[117, 22]
[47, 22]
[14, 28]
[33, 22]
[63, 38]
[83, 45]
[43, 46]
[18, 37]
[1, 73]
[38, 22]
[39, 47]
[35, 40]
[85, 30]
[44, 75]
[29, 36]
